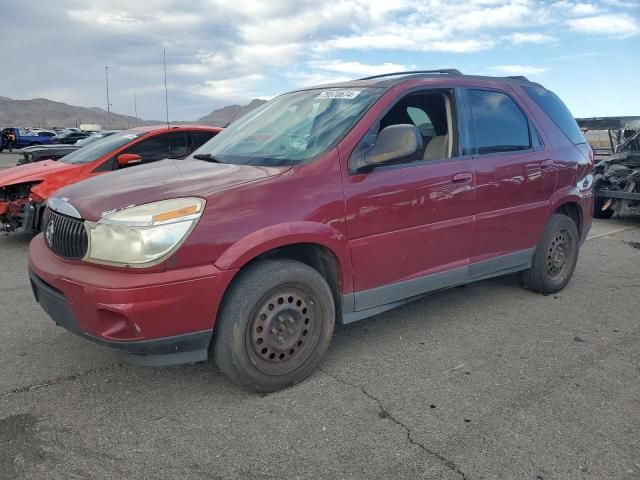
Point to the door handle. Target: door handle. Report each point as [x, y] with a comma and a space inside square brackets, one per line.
[462, 177]
[547, 164]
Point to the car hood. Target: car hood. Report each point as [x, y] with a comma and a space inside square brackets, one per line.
[32, 172]
[45, 147]
[159, 181]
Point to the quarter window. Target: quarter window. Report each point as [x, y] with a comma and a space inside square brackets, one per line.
[499, 124]
[557, 111]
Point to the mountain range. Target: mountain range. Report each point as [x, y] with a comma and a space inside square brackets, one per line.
[44, 113]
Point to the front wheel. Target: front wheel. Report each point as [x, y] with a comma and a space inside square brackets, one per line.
[274, 325]
[555, 258]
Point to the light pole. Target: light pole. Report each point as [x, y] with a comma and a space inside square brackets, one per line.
[166, 91]
[106, 73]
[135, 108]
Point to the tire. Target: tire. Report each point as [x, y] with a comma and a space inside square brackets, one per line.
[597, 209]
[556, 256]
[32, 144]
[274, 325]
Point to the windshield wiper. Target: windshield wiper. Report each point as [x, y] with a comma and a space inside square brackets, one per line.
[207, 157]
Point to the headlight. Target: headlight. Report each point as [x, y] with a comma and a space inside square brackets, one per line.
[143, 235]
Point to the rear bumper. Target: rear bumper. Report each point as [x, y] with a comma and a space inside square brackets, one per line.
[162, 317]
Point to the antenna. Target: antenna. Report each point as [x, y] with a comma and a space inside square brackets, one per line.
[234, 116]
[135, 109]
[166, 91]
[106, 74]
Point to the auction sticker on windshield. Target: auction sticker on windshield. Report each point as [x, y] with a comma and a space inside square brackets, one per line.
[339, 94]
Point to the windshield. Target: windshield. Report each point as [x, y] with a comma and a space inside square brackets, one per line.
[94, 137]
[291, 128]
[100, 147]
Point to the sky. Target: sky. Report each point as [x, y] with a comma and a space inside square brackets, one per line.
[221, 52]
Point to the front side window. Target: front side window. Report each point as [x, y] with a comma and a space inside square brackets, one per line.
[430, 112]
[169, 145]
[292, 128]
[499, 124]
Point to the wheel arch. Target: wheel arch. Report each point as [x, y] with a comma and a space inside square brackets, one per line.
[318, 245]
[569, 202]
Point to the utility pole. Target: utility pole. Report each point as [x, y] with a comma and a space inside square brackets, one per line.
[166, 92]
[106, 73]
[135, 109]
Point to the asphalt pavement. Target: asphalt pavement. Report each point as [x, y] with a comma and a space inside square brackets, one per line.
[478, 382]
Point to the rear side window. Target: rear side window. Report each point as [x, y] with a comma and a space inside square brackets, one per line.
[499, 124]
[557, 111]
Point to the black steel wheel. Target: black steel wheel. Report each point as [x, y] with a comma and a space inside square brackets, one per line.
[555, 258]
[274, 325]
[284, 330]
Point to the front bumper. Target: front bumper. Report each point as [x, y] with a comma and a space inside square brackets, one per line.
[161, 317]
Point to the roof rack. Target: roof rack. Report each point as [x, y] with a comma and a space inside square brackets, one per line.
[443, 71]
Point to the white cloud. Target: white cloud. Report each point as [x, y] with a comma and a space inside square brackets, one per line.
[529, 37]
[584, 9]
[614, 25]
[245, 48]
[518, 69]
[357, 68]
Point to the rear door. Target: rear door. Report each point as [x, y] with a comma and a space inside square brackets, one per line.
[515, 175]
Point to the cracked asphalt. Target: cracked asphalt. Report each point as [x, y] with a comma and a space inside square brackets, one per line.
[479, 382]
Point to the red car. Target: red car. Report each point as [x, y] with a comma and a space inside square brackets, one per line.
[25, 189]
[327, 204]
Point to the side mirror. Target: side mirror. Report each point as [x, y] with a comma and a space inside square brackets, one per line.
[128, 159]
[394, 142]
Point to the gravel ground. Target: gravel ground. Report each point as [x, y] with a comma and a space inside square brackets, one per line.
[483, 381]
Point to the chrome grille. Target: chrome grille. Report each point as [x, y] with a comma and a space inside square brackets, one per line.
[65, 236]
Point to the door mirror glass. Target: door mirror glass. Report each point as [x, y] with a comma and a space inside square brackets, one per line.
[126, 159]
[393, 143]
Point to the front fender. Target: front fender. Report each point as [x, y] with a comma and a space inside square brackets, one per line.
[280, 235]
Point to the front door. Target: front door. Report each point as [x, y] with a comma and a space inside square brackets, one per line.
[409, 223]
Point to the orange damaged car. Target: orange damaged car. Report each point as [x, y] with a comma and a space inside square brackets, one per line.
[25, 189]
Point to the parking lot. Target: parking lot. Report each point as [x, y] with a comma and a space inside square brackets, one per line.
[484, 381]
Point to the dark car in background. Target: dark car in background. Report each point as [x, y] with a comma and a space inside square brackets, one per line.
[53, 152]
[70, 138]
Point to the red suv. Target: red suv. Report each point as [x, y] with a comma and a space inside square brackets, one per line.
[325, 205]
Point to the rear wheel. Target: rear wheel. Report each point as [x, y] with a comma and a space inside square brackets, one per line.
[275, 324]
[556, 256]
